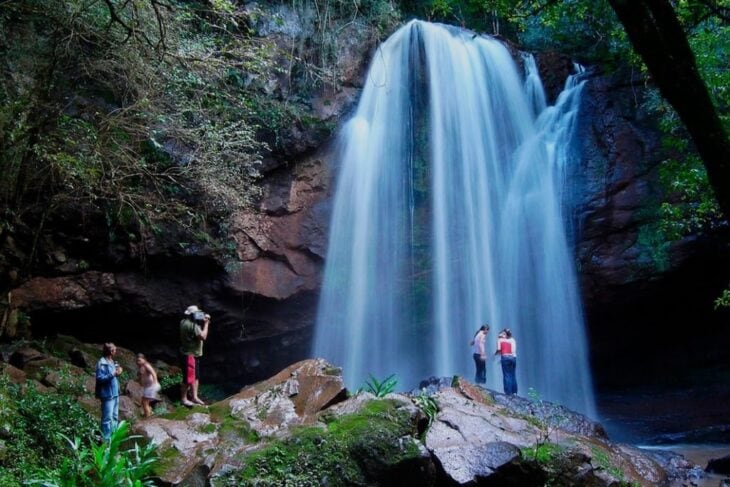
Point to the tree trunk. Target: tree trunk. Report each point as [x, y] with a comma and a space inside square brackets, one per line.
[656, 34]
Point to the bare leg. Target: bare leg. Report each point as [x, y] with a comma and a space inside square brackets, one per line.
[196, 399]
[184, 395]
[146, 409]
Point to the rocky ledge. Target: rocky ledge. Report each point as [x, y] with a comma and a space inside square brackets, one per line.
[301, 427]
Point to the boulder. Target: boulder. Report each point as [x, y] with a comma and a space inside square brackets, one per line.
[214, 438]
[466, 464]
[463, 421]
[674, 464]
[22, 357]
[64, 376]
[644, 466]
[719, 465]
[567, 420]
[80, 354]
[128, 410]
[292, 397]
[432, 385]
[134, 390]
[14, 374]
[183, 443]
[67, 292]
[40, 369]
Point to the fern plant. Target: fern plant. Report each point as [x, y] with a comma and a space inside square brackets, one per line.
[108, 464]
[428, 405]
[381, 388]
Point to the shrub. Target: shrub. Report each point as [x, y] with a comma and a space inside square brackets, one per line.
[107, 464]
[34, 424]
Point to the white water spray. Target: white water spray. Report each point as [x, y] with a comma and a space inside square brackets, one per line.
[449, 214]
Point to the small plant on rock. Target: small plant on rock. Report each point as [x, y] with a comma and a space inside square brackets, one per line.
[380, 388]
[546, 417]
[428, 405]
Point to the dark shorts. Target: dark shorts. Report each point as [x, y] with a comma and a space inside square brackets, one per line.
[190, 367]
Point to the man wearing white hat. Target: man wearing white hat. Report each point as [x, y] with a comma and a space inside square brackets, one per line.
[192, 336]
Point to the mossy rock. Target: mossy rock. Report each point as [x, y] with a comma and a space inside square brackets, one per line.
[375, 445]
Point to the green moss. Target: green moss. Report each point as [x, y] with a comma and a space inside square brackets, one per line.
[166, 460]
[182, 413]
[230, 426]
[352, 449]
[333, 371]
[602, 460]
[239, 429]
[544, 454]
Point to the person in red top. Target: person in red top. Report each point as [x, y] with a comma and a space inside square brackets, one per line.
[507, 348]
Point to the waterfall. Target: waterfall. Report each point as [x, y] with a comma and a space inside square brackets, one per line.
[449, 213]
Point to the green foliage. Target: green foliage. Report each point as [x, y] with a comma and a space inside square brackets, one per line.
[381, 388]
[153, 112]
[654, 245]
[428, 405]
[126, 108]
[585, 29]
[546, 417]
[602, 460]
[544, 453]
[108, 464]
[170, 380]
[35, 424]
[335, 455]
[68, 383]
[690, 204]
[723, 301]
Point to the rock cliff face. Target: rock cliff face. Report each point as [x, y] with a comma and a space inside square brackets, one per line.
[640, 291]
[259, 281]
[262, 301]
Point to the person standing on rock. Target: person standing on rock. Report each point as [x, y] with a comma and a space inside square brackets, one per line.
[107, 389]
[478, 345]
[507, 348]
[193, 332]
[150, 385]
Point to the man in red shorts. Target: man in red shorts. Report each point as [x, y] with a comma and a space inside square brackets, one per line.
[193, 332]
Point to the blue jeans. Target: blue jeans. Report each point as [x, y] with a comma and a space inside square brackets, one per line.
[509, 364]
[481, 375]
[109, 416]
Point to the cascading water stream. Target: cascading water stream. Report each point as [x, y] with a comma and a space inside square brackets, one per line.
[448, 214]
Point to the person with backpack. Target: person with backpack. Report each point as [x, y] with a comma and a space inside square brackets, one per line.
[193, 332]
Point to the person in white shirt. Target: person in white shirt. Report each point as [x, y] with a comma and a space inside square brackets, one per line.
[479, 352]
[507, 348]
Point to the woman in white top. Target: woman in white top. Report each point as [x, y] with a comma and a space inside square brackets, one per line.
[479, 352]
